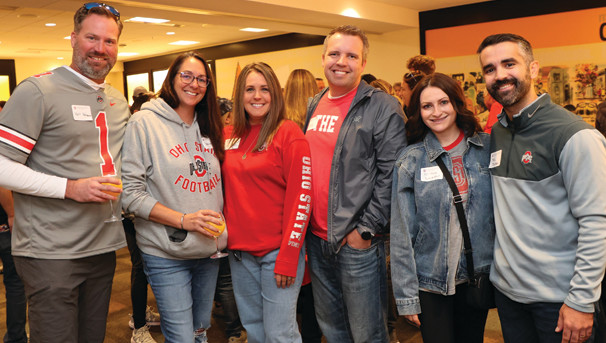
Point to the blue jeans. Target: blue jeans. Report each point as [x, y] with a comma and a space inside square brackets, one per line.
[350, 291]
[268, 313]
[15, 294]
[184, 291]
[529, 323]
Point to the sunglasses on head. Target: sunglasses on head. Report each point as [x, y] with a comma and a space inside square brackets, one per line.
[413, 76]
[112, 10]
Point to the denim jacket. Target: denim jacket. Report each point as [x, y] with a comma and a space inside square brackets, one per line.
[420, 217]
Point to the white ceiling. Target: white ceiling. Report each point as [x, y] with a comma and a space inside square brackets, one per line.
[211, 22]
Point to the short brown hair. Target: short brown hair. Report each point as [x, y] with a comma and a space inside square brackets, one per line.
[466, 121]
[82, 13]
[422, 63]
[349, 30]
[524, 45]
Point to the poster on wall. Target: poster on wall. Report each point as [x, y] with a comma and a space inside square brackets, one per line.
[579, 88]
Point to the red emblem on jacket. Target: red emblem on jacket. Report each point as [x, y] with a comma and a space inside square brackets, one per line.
[527, 157]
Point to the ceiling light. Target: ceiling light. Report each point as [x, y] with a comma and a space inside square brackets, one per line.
[50, 24]
[147, 20]
[253, 29]
[67, 37]
[127, 54]
[59, 58]
[350, 12]
[170, 33]
[184, 42]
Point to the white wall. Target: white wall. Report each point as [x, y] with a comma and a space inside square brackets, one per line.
[26, 67]
[386, 60]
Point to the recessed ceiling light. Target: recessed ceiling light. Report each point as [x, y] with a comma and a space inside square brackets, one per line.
[253, 29]
[350, 12]
[184, 42]
[127, 54]
[67, 37]
[59, 58]
[147, 20]
[170, 33]
[50, 24]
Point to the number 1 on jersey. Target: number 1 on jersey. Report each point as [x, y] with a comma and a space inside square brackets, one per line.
[107, 166]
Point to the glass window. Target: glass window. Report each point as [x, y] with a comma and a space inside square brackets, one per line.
[159, 77]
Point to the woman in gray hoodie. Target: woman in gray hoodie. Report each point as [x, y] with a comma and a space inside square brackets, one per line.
[172, 183]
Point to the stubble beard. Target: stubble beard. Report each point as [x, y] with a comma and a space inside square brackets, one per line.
[87, 69]
[520, 89]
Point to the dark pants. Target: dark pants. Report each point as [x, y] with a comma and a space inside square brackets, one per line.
[225, 295]
[448, 319]
[310, 330]
[68, 299]
[138, 281]
[15, 295]
[529, 323]
[392, 310]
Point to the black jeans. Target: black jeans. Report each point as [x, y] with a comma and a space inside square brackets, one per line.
[138, 281]
[529, 323]
[15, 294]
[224, 293]
[448, 319]
[310, 329]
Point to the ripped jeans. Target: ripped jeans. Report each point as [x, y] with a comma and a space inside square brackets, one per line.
[184, 291]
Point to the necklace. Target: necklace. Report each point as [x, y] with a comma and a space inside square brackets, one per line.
[251, 145]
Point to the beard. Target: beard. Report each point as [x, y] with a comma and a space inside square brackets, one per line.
[89, 70]
[520, 89]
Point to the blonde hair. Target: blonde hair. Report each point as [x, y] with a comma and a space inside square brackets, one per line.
[274, 117]
[385, 87]
[300, 86]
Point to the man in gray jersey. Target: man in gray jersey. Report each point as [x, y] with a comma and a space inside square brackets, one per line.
[548, 175]
[61, 134]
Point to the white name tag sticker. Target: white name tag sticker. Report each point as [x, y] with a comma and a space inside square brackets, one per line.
[495, 159]
[431, 174]
[82, 113]
[206, 143]
[229, 142]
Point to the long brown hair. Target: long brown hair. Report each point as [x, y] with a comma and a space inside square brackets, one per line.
[300, 86]
[274, 117]
[207, 110]
[466, 121]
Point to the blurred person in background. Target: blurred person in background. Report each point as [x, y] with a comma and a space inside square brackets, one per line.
[300, 88]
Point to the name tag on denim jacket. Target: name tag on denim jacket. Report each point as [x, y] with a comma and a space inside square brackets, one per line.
[495, 159]
[431, 174]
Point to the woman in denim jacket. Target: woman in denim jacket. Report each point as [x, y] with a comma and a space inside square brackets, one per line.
[429, 271]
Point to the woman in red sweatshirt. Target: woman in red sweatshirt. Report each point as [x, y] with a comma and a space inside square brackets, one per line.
[267, 182]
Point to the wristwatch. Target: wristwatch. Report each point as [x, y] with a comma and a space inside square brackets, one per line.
[367, 235]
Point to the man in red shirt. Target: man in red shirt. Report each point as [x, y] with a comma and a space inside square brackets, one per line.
[355, 133]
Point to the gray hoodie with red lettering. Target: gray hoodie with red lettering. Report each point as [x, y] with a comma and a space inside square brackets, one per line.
[166, 160]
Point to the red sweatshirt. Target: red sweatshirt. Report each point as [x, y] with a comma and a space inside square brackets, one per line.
[268, 194]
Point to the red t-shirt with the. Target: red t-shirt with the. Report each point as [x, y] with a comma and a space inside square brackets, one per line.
[322, 133]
